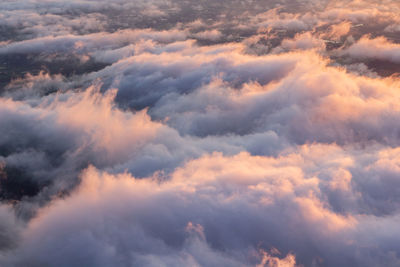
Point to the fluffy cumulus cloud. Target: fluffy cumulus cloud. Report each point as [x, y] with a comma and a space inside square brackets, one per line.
[379, 48]
[183, 133]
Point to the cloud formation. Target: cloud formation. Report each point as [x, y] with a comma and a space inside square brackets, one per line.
[174, 133]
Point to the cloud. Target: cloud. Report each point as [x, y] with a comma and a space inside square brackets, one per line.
[378, 48]
[228, 133]
[68, 43]
[211, 35]
[190, 218]
[9, 228]
[339, 30]
[51, 142]
[303, 41]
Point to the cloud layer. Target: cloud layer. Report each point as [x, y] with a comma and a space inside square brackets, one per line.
[174, 133]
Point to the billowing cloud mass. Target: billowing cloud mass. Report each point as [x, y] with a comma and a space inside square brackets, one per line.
[199, 133]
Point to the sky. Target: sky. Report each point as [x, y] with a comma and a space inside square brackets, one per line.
[169, 133]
